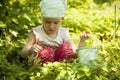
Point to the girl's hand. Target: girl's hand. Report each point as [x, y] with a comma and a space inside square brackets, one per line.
[84, 36]
[36, 48]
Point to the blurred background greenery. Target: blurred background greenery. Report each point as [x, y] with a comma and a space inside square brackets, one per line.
[100, 17]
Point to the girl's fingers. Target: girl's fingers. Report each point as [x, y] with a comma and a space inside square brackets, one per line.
[39, 48]
[36, 51]
[88, 34]
[85, 36]
[36, 48]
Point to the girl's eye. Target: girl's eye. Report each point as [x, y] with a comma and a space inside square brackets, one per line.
[56, 22]
[48, 22]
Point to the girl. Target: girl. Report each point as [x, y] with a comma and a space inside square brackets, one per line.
[50, 42]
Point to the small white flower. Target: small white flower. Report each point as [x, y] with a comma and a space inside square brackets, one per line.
[38, 74]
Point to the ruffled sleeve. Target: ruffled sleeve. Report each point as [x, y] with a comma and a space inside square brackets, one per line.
[36, 32]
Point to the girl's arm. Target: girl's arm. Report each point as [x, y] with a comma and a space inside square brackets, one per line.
[83, 37]
[26, 51]
[31, 46]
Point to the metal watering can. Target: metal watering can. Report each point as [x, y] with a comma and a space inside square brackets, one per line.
[87, 56]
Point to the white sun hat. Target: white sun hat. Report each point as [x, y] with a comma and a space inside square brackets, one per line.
[53, 8]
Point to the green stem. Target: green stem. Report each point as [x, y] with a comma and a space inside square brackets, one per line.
[115, 26]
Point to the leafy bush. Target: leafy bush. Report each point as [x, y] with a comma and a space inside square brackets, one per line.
[18, 16]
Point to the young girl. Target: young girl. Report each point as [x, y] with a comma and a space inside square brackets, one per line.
[50, 42]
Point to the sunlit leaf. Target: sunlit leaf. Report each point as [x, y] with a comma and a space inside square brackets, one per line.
[15, 20]
[14, 33]
[3, 25]
[27, 17]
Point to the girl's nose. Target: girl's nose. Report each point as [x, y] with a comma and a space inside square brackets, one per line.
[52, 26]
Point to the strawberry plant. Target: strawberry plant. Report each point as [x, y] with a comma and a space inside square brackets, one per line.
[19, 16]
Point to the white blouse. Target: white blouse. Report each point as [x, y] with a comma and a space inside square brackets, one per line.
[62, 36]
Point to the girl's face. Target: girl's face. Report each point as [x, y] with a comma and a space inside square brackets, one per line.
[51, 25]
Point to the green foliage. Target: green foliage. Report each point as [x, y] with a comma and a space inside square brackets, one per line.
[18, 16]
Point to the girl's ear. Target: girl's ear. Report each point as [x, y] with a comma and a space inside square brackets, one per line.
[62, 18]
